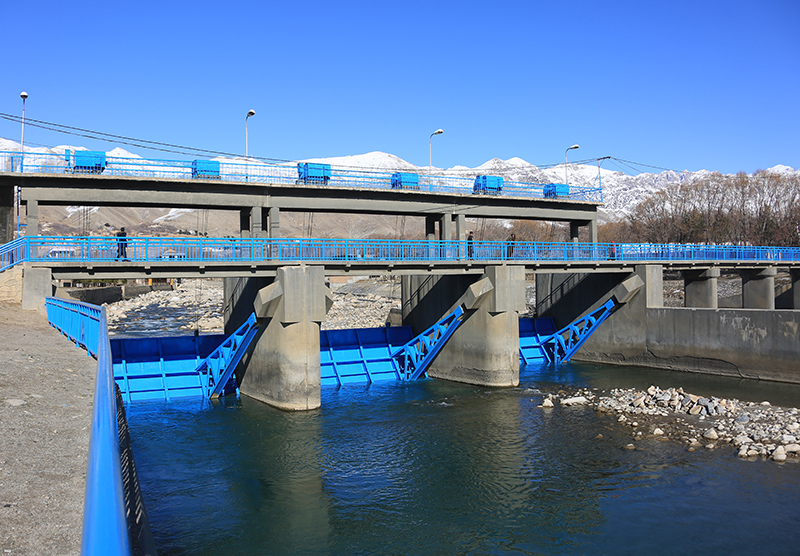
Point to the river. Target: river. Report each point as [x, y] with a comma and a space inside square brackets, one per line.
[441, 468]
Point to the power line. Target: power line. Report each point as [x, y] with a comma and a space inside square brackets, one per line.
[190, 151]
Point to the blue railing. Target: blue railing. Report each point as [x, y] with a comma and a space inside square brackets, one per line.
[105, 529]
[261, 172]
[155, 249]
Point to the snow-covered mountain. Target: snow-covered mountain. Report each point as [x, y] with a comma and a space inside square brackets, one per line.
[621, 191]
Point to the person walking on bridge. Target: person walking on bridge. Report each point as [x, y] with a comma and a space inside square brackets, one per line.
[122, 244]
[470, 239]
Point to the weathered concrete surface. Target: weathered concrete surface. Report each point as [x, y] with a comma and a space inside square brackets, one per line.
[11, 285]
[46, 388]
[700, 287]
[484, 350]
[37, 284]
[751, 343]
[282, 366]
[95, 296]
[758, 288]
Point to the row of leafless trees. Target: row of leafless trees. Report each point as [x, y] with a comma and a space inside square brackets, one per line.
[758, 209]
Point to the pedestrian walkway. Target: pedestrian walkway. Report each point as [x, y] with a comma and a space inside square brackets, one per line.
[46, 387]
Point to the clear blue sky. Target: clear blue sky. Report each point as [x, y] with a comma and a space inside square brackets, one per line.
[680, 85]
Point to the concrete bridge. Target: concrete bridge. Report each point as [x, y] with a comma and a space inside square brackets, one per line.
[283, 279]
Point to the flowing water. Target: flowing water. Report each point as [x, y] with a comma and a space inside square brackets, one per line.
[441, 468]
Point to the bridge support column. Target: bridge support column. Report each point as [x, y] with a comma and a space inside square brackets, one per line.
[6, 213]
[575, 229]
[37, 283]
[282, 366]
[461, 227]
[256, 227]
[484, 350]
[758, 288]
[32, 218]
[272, 222]
[794, 273]
[244, 222]
[430, 227]
[700, 288]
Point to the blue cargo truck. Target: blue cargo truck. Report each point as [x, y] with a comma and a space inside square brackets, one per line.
[553, 190]
[205, 169]
[313, 173]
[405, 180]
[86, 162]
[489, 185]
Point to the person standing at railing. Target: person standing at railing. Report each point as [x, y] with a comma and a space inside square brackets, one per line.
[510, 248]
[470, 240]
[122, 244]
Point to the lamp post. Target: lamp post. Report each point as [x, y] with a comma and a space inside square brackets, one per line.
[430, 148]
[250, 113]
[566, 181]
[23, 95]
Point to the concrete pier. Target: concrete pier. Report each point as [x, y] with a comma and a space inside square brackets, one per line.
[484, 350]
[758, 288]
[700, 288]
[282, 366]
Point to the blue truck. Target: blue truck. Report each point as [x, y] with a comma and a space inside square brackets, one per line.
[488, 185]
[205, 169]
[553, 190]
[405, 180]
[313, 173]
[86, 162]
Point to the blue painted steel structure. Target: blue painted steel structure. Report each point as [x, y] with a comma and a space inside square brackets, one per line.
[561, 346]
[405, 180]
[361, 355]
[416, 356]
[105, 528]
[491, 185]
[532, 333]
[286, 174]
[154, 249]
[216, 370]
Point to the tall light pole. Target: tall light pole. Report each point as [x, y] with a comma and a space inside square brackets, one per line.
[23, 95]
[250, 113]
[566, 181]
[430, 148]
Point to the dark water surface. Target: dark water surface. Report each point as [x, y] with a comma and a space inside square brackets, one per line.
[441, 468]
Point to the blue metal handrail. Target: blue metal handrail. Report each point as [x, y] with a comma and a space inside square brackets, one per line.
[163, 249]
[105, 526]
[261, 172]
[216, 369]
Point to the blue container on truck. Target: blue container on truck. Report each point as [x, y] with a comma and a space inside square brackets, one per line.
[87, 162]
[405, 180]
[310, 172]
[492, 185]
[205, 169]
[552, 190]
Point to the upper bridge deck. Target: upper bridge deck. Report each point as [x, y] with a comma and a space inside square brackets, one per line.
[50, 179]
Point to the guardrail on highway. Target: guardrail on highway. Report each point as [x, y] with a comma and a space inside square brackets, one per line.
[262, 172]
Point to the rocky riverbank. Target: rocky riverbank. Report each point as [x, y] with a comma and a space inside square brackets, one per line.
[754, 430]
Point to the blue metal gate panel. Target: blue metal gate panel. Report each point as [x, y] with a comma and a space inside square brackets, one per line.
[162, 367]
[531, 334]
[360, 356]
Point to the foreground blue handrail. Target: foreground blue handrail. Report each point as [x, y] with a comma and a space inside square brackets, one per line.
[172, 249]
[105, 528]
[261, 172]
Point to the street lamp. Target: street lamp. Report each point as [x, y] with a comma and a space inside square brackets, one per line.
[566, 182]
[23, 95]
[430, 148]
[250, 113]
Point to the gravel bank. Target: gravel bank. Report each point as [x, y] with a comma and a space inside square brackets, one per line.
[752, 430]
[46, 390]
